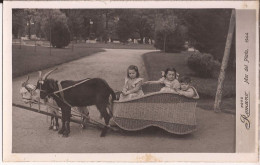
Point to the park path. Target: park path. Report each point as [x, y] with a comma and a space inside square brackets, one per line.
[216, 132]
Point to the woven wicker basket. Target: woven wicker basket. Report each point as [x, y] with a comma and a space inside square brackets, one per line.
[171, 112]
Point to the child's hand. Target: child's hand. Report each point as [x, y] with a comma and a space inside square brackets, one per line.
[179, 92]
[124, 93]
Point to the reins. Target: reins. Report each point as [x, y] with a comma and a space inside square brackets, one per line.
[70, 86]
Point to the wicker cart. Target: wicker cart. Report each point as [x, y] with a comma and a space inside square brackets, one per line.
[171, 112]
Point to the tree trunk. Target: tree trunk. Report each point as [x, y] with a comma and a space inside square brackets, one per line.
[142, 39]
[29, 30]
[106, 21]
[222, 73]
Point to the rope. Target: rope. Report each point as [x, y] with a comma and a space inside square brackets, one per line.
[71, 86]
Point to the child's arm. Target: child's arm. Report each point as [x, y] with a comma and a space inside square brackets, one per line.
[189, 93]
[155, 82]
[135, 89]
[124, 88]
[177, 85]
[152, 82]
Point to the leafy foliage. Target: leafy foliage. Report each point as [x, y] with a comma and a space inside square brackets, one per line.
[168, 35]
[18, 22]
[60, 35]
[125, 26]
[172, 42]
[203, 64]
[207, 30]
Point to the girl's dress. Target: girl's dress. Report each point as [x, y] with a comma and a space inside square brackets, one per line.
[130, 85]
[170, 86]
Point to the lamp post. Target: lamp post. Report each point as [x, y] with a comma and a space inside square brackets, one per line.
[19, 31]
[29, 23]
[50, 29]
[91, 23]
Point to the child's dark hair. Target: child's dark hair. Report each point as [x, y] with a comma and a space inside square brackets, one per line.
[133, 67]
[170, 69]
[185, 79]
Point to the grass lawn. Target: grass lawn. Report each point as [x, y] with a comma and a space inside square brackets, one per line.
[26, 60]
[159, 61]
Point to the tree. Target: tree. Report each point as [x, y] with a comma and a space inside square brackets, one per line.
[49, 17]
[224, 62]
[60, 35]
[144, 23]
[207, 29]
[125, 25]
[18, 22]
[168, 36]
[75, 21]
[23, 19]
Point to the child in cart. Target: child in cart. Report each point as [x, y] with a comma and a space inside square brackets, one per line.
[133, 83]
[169, 79]
[186, 89]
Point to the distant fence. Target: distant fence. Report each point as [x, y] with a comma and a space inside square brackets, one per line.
[31, 42]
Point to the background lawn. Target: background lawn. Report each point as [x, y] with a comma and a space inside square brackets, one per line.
[26, 60]
[206, 87]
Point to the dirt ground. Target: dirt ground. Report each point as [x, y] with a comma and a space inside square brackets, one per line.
[30, 134]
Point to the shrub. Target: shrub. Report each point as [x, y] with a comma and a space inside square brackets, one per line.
[60, 35]
[203, 65]
[174, 41]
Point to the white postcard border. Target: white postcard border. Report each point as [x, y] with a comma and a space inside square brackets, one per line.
[130, 157]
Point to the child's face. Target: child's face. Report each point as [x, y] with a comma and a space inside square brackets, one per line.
[185, 86]
[132, 74]
[170, 75]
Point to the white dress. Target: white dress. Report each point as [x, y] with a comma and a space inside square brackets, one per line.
[170, 86]
[130, 84]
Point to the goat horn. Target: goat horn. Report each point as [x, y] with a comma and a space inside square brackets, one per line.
[48, 73]
[27, 79]
[40, 75]
[24, 83]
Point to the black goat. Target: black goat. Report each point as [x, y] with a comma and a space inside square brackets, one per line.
[86, 92]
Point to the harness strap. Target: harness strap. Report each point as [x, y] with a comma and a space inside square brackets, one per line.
[60, 91]
[61, 95]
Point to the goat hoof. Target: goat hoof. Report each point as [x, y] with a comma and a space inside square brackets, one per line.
[50, 127]
[55, 128]
[61, 131]
[104, 132]
[65, 135]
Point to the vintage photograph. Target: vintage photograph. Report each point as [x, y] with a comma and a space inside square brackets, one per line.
[147, 78]
[126, 80]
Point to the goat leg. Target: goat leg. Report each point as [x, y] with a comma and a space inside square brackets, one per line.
[67, 129]
[62, 127]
